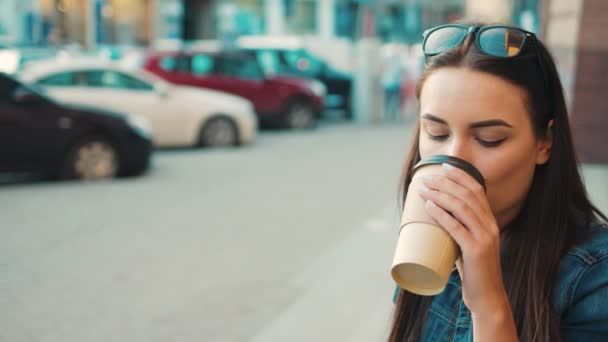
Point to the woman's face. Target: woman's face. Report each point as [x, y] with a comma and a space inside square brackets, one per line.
[483, 119]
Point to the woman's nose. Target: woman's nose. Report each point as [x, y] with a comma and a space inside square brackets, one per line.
[460, 149]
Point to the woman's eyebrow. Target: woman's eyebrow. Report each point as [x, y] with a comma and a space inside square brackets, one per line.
[489, 123]
[480, 124]
[434, 118]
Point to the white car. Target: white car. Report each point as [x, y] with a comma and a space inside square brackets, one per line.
[178, 116]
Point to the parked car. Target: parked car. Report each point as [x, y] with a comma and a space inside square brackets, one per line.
[179, 116]
[288, 57]
[288, 102]
[38, 134]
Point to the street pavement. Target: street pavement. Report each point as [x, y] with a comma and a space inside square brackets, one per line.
[289, 239]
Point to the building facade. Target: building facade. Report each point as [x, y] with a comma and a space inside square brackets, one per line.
[91, 22]
[576, 32]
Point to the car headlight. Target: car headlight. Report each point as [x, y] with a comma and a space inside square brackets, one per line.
[318, 88]
[140, 125]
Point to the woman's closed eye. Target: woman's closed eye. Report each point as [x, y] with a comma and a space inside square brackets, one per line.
[490, 143]
[437, 134]
[490, 138]
[483, 141]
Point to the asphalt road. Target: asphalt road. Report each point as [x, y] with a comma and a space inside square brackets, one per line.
[289, 239]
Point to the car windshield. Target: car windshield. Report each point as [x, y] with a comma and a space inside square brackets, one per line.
[108, 78]
[38, 90]
[100, 76]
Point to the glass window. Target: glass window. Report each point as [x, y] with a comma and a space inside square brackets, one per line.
[241, 68]
[175, 63]
[168, 63]
[124, 22]
[63, 79]
[10, 89]
[269, 60]
[114, 79]
[7, 89]
[182, 64]
[301, 16]
[201, 65]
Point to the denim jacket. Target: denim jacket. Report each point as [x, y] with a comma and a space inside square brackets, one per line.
[580, 297]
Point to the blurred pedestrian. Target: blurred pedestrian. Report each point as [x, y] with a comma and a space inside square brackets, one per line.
[534, 249]
[413, 64]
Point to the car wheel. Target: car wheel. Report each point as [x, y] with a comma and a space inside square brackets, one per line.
[300, 115]
[90, 159]
[219, 132]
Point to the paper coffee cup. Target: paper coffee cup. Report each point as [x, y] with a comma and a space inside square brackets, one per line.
[425, 254]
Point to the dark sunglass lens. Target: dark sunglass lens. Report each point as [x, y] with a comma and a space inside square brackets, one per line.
[443, 39]
[501, 41]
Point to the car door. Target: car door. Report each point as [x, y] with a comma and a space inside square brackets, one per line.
[34, 131]
[244, 77]
[203, 72]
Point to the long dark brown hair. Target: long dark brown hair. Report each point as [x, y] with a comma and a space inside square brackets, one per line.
[556, 212]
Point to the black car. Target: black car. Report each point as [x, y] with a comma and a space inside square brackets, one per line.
[301, 63]
[40, 135]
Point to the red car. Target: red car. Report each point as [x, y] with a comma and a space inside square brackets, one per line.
[289, 102]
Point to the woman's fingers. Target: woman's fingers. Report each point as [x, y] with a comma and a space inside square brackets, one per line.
[455, 190]
[454, 207]
[462, 196]
[458, 232]
[472, 186]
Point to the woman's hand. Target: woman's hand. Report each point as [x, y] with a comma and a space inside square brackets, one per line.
[459, 204]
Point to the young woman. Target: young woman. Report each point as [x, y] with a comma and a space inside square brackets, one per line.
[534, 249]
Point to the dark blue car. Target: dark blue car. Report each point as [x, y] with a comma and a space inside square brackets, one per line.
[40, 135]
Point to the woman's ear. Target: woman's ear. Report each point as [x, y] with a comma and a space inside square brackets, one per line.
[544, 145]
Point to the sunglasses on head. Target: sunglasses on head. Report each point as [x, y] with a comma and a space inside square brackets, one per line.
[499, 41]
[495, 40]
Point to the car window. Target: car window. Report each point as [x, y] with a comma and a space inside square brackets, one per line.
[269, 61]
[7, 89]
[175, 63]
[115, 79]
[241, 68]
[168, 63]
[201, 65]
[63, 79]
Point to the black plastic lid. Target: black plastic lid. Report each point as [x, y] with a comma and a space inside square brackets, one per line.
[454, 161]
